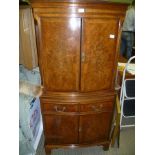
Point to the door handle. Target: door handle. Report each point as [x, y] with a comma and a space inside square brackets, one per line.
[97, 108]
[83, 56]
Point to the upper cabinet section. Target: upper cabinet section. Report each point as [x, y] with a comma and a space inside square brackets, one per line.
[78, 44]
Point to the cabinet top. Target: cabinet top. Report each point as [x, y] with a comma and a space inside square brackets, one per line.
[49, 3]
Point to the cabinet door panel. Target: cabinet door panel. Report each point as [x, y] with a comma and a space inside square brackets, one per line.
[61, 129]
[60, 53]
[98, 53]
[94, 127]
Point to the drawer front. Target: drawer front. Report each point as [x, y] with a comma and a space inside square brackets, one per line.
[97, 107]
[59, 107]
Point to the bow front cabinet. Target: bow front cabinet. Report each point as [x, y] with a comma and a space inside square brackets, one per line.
[78, 47]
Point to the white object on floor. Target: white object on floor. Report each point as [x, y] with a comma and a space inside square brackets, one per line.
[130, 67]
[123, 96]
[31, 127]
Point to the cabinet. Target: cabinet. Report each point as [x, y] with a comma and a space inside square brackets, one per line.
[78, 43]
[82, 121]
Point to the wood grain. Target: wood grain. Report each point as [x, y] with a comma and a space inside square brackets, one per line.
[49, 107]
[78, 54]
[94, 127]
[98, 67]
[61, 129]
[60, 53]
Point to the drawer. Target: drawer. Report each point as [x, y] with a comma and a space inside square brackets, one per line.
[97, 107]
[59, 107]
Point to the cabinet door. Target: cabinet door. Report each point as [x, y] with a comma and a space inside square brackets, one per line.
[59, 56]
[61, 129]
[99, 41]
[95, 127]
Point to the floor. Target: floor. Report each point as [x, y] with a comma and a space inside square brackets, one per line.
[127, 147]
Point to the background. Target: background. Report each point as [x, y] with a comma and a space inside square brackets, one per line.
[145, 77]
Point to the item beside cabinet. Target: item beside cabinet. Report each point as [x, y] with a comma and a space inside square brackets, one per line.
[27, 39]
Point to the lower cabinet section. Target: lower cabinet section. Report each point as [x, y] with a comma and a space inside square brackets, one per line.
[78, 129]
[78, 123]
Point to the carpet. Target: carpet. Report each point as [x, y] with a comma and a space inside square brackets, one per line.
[127, 146]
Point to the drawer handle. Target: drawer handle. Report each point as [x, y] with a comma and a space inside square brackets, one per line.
[97, 108]
[58, 109]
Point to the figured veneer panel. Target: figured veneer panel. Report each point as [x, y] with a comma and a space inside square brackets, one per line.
[60, 53]
[94, 127]
[61, 129]
[99, 49]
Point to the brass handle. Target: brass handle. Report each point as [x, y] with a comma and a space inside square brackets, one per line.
[97, 108]
[80, 129]
[59, 110]
[83, 56]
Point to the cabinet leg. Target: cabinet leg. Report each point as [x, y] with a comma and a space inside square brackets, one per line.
[47, 150]
[106, 147]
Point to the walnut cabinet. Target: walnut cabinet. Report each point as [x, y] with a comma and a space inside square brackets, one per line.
[78, 44]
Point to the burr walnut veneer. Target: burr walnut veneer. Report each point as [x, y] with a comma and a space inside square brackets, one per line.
[78, 44]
